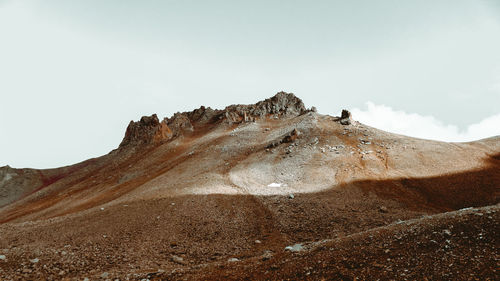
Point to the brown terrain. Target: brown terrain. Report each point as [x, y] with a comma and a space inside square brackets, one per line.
[269, 191]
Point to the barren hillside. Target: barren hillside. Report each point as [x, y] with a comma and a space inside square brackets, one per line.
[271, 190]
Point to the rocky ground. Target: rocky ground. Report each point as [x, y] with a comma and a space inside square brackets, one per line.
[266, 191]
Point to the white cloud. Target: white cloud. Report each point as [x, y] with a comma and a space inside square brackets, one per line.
[426, 127]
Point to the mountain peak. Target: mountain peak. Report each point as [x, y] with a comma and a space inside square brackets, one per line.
[149, 129]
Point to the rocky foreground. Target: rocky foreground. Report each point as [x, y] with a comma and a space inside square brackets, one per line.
[266, 191]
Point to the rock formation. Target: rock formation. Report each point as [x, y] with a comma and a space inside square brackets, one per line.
[346, 117]
[149, 130]
[145, 131]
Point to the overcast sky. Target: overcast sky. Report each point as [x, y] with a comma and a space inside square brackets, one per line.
[74, 73]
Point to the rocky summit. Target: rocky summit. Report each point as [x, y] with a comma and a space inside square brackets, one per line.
[266, 191]
[149, 130]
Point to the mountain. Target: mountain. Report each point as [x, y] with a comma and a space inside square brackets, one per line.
[271, 190]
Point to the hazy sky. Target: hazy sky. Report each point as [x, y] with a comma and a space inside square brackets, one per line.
[74, 73]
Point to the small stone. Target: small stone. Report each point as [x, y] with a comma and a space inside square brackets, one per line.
[178, 260]
[3, 257]
[383, 209]
[35, 260]
[267, 255]
[291, 196]
[102, 209]
[233, 260]
[104, 275]
[294, 248]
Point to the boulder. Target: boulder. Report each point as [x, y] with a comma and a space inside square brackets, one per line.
[291, 137]
[346, 117]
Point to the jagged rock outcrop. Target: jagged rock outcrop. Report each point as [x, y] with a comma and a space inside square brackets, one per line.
[145, 131]
[178, 124]
[149, 130]
[202, 115]
[280, 105]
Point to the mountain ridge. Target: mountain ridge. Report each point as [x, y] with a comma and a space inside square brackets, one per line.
[196, 191]
[150, 130]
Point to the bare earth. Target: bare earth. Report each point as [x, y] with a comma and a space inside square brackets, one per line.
[269, 191]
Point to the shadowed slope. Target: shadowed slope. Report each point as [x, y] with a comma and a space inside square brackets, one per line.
[479, 187]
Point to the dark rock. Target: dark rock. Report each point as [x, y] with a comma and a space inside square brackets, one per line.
[291, 137]
[346, 117]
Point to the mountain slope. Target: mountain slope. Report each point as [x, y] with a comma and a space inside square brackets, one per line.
[203, 186]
